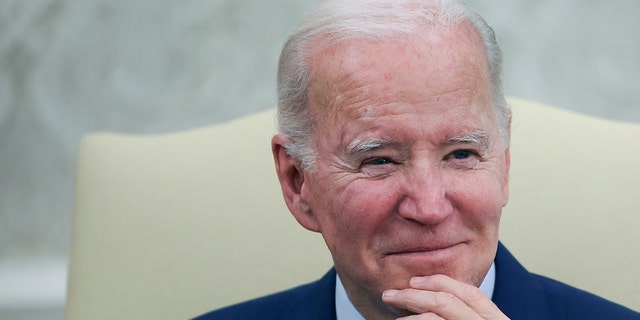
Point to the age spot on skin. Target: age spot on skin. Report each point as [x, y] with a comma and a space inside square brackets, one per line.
[365, 112]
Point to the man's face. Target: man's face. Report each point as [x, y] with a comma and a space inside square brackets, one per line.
[411, 171]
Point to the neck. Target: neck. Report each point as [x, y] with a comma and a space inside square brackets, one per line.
[369, 306]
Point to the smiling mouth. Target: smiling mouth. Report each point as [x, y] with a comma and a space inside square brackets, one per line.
[428, 250]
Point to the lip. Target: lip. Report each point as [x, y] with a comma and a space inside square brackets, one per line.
[426, 249]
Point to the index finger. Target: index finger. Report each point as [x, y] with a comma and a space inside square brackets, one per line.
[470, 295]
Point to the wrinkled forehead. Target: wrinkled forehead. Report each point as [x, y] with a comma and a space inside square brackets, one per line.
[351, 71]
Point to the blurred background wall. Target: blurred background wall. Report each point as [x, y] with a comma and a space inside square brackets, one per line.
[151, 66]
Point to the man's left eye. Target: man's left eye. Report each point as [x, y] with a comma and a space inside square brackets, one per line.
[461, 154]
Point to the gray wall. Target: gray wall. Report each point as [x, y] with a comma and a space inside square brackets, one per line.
[71, 67]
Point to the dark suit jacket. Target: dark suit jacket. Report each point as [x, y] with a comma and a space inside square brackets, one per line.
[518, 293]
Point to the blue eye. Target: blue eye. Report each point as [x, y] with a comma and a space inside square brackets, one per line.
[461, 154]
[379, 161]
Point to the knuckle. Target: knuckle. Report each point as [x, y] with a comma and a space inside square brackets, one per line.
[444, 299]
[414, 301]
[473, 294]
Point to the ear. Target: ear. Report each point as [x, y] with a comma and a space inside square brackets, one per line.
[292, 182]
[505, 186]
[507, 162]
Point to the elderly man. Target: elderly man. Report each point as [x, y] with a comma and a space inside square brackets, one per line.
[394, 145]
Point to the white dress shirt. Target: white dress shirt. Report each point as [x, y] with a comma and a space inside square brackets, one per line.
[346, 311]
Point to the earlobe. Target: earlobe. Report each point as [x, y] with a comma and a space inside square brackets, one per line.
[292, 183]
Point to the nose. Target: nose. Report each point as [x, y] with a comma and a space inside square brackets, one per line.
[425, 198]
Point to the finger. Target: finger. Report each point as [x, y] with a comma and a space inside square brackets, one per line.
[444, 304]
[470, 295]
[423, 316]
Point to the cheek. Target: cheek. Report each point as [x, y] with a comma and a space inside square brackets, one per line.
[354, 213]
[481, 199]
[371, 200]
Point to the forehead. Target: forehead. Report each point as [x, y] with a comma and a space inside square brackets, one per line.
[371, 75]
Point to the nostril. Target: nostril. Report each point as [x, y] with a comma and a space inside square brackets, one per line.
[425, 208]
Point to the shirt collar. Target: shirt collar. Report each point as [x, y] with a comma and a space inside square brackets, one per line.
[346, 311]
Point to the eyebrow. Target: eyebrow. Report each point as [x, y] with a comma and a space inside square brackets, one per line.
[366, 145]
[475, 137]
[362, 146]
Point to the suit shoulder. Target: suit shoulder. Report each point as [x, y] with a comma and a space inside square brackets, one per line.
[271, 306]
[310, 301]
[574, 302]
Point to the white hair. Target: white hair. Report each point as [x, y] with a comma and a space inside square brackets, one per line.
[340, 20]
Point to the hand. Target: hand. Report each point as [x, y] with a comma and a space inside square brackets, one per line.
[441, 297]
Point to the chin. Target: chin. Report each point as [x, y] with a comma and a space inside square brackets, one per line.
[468, 272]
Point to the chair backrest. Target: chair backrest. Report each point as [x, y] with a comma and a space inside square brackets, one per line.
[172, 226]
[574, 207]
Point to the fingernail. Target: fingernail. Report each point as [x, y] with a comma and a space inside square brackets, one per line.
[390, 293]
[416, 281]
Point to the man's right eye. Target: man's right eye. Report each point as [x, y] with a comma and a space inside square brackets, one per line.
[378, 161]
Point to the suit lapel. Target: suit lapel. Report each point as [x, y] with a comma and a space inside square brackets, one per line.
[517, 293]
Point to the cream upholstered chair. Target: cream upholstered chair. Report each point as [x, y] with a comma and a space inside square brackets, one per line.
[574, 206]
[171, 226]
